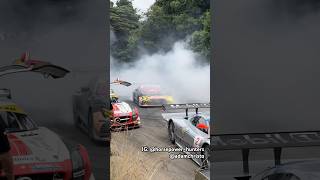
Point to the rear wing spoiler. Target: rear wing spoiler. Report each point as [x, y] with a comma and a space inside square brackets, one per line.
[25, 64]
[188, 106]
[121, 82]
[274, 140]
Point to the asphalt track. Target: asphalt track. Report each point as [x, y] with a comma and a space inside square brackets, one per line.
[153, 133]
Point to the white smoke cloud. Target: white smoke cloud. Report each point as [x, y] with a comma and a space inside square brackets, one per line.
[113, 37]
[178, 72]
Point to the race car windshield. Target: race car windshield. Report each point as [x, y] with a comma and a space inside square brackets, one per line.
[151, 91]
[14, 122]
[201, 120]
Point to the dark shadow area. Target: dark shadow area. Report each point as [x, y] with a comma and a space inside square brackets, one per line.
[265, 77]
[69, 33]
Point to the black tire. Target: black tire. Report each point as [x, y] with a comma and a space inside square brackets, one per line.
[171, 133]
[206, 160]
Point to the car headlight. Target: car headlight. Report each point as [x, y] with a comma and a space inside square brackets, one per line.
[78, 169]
[135, 114]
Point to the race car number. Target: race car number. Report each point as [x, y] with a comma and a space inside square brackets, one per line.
[197, 141]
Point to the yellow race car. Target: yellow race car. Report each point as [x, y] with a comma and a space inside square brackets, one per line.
[151, 95]
[113, 96]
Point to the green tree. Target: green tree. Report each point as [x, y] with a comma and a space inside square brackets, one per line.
[171, 20]
[124, 20]
[166, 22]
[200, 40]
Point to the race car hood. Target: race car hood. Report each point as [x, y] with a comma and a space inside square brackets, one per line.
[121, 109]
[37, 146]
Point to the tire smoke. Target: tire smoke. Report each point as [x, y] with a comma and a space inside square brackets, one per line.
[178, 72]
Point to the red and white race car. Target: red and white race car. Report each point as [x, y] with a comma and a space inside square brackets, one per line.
[124, 116]
[38, 153]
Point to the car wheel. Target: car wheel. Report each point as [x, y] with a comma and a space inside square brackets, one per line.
[171, 133]
[206, 159]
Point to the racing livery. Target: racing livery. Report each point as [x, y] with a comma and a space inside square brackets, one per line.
[190, 131]
[39, 153]
[150, 95]
[122, 115]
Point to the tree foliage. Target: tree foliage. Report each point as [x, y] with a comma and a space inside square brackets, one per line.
[166, 22]
[124, 20]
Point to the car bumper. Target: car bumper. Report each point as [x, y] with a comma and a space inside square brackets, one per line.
[153, 102]
[126, 125]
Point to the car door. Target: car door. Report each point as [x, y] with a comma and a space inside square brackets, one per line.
[179, 127]
[189, 133]
[194, 136]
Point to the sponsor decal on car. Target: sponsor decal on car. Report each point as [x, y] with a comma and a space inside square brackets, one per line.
[46, 167]
[24, 159]
[11, 108]
[197, 141]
